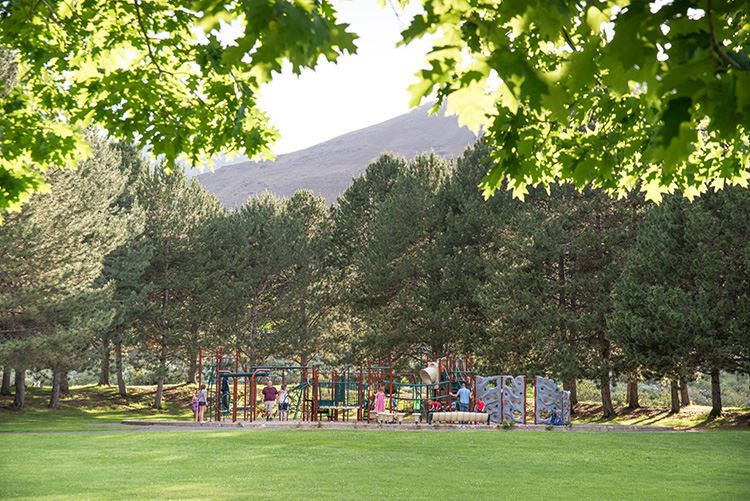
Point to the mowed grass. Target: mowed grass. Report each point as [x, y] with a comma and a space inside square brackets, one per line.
[90, 407]
[692, 417]
[331, 464]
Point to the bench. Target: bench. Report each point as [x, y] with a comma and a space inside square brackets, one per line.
[389, 417]
[460, 417]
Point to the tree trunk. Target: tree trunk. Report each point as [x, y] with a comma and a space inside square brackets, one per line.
[162, 372]
[608, 410]
[684, 395]
[54, 399]
[5, 388]
[571, 386]
[104, 365]
[715, 394]
[192, 367]
[20, 396]
[633, 392]
[675, 389]
[122, 389]
[64, 386]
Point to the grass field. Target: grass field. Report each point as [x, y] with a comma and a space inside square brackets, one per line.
[307, 464]
[335, 464]
[89, 407]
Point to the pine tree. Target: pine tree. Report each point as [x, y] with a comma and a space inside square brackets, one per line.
[468, 229]
[125, 267]
[397, 285]
[682, 300]
[348, 239]
[302, 307]
[553, 271]
[51, 299]
[244, 266]
[175, 210]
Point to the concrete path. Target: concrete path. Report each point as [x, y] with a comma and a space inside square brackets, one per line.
[157, 425]
[326, 425]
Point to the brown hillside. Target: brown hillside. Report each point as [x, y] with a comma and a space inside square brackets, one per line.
[328, 168]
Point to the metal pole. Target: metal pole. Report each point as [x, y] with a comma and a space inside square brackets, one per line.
[217, 401]
[390, 391]
[252, 397]
[304, 393]
[534, 402]
[234, 385]
[369, 382]
[473, 377]
[316, 390]
[334, 386]
[359, 386]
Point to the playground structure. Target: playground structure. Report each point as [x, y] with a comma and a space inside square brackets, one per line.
[347, 394]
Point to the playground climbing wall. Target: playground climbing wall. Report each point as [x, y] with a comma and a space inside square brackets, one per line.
[514, 398]
[552, 404]
[490, 389]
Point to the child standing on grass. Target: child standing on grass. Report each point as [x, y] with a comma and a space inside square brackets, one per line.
[283, 404]
[380, 400]
[202, 399]
[195, 405]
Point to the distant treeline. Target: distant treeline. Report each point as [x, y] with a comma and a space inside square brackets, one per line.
[123, 257]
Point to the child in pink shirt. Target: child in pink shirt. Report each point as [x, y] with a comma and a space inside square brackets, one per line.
[380, 400]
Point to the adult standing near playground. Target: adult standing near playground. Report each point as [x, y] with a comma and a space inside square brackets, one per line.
[202, 399]
[269, 398]
[464, 397]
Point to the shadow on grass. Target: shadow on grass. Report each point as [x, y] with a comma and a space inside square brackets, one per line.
[689, 418]
[88, 406]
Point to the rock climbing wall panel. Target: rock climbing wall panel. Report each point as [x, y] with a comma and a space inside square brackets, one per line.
[552, 403]
[489, 389]
[514, 399]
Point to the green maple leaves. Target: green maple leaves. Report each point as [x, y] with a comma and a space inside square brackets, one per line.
[161, 72]
[599, 93]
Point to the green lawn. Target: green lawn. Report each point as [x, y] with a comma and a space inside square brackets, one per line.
[314, 464]
[90, 407]
[692, 417]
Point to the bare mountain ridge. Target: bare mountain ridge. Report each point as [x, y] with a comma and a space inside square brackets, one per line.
[328, 168]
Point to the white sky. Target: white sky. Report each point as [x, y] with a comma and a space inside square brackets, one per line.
[360, 90]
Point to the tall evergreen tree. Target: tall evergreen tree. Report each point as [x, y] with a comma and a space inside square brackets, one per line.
[125, 267]
[551, 284]
[397, 286]
[349, 236]
[302, 309]
[51, 298]
[175, 209]
[244, 266]
[681, 302]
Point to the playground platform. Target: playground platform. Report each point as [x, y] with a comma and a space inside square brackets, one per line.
[339, 425]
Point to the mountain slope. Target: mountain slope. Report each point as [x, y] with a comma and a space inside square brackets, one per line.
[328, 168]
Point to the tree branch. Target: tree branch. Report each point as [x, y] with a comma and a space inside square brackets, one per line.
[142, 26]
[715, 43]
[569, 40]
